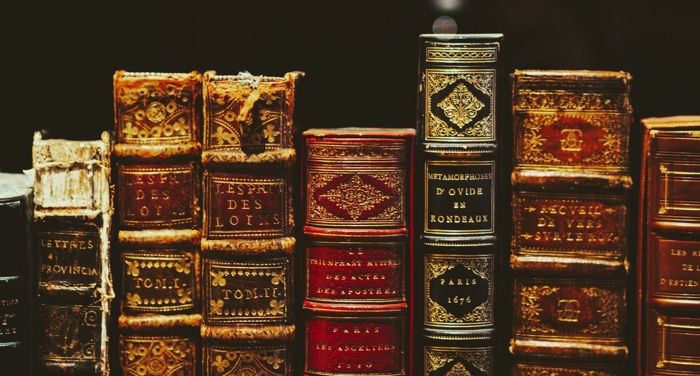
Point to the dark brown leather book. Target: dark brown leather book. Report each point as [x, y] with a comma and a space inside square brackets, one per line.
[72, 224]
[16, 275]
[358, 217]
[571, 185]
[248, 225]
[668, 264]
[457, 184]
[157, 176]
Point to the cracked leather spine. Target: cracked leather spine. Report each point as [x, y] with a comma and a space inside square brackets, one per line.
[157, 172]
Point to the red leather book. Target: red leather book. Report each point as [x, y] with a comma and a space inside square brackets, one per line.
[248, 238]
[571, 185]
[157, 217]
[357, 199]
[668, 267]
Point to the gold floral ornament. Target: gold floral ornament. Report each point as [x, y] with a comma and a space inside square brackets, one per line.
[183, 265]
[270, 133]
[184, 296]
[274, 359]
[461, 106]
[355, 196]
[277, 278]
[132, 268]
[217, 279]
[133, 300]
[216, 306]
[220, 363]
[276, 307]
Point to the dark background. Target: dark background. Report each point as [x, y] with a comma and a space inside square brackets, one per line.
[360, 56]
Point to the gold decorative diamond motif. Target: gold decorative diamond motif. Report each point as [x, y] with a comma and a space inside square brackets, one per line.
[355, 196]
[461, 106]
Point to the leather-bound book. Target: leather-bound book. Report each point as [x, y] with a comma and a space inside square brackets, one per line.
[16, 274]
[248, 225]
[457, 198]
[72, 224]
[157, 174]
[571, 185]
[668, 263]
[357, 200]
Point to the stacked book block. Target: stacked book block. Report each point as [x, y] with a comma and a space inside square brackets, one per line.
[571, 186]
[72, 227]
[248, 225]
[157, 176]
[457, 171]
[357, 193]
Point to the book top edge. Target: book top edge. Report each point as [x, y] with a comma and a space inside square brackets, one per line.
[677, 121]
[360, 132]
[122, 74]
[565, 75]
[482, 37]
[14, 185]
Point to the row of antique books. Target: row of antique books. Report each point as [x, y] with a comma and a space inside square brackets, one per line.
[171, 247]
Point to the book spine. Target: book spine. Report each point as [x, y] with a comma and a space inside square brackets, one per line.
[671, 233]
[157, 175]
[458, 195]
[72, 224]
[248, 238]
[571, 188]
[358, 218]
[16, 315]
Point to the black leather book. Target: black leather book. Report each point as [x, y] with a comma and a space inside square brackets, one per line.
[456, 174]
[15, 276]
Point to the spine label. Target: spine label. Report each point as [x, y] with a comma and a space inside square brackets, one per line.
[459, 290]
[675, 267]
[242, 205]
[159, 282]
[157, 196]
[69, 258]
[355, 272]
[354, 345]
[459, 197]
[246, 291]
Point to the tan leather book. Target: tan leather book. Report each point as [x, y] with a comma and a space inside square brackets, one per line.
[72, 228]
[157, 219]
[569, 255]
[668, 261]
[248, 238]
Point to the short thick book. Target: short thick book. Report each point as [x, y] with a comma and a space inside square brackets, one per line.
[16, 275]
[668, 263]
[156, 158]
[72, 226]
[571, 185]
[357, 192]
[457, 200]
[248, 238]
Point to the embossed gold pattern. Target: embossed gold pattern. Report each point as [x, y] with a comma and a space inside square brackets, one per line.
[460, 54]
[355, 196]
[461, 106]
[438, 80]
[163, 356]
[246, 362]
[436, 314]
[436, 358]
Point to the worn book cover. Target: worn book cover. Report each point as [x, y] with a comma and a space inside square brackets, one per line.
[248, 238]
[457, 174]
[668, 270]
[72, 226]
[569, 255]
[16, 275]
[156, 159]
[358, 217]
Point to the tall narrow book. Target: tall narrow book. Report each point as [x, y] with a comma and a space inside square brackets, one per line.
[457, 184]
[668, 263]
[16, 276]
[72, 224]
[571, 185]
[358, 189]
[248, 225]
[157, 218]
